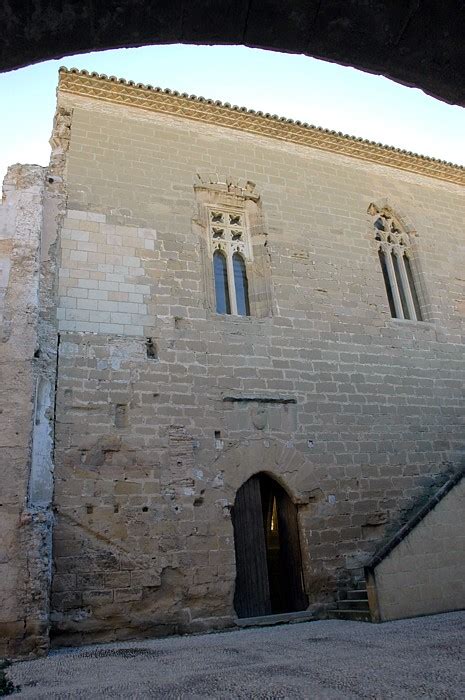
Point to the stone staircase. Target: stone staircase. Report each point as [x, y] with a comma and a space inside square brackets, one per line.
[358, 600]
[352, 603]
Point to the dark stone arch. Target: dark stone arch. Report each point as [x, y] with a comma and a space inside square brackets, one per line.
[415, 43]
[277, 479]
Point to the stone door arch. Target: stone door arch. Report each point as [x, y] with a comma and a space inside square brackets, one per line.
[268, 557]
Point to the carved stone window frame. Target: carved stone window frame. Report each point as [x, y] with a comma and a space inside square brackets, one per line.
[229, 235]
[214, 195]
[396, 242]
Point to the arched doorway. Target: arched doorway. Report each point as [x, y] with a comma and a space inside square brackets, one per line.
[268, 557]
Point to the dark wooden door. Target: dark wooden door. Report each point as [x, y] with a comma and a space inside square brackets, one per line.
[252, 595]
[290, 554]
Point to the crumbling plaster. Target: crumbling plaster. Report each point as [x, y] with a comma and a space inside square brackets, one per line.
[25, 527]
[30, 216]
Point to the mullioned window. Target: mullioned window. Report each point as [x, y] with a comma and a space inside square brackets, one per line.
[230, 250]
[236, 263]
[397, 264]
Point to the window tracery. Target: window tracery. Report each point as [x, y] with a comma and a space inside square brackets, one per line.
[236, 263]
[231, 251]
[395, 256]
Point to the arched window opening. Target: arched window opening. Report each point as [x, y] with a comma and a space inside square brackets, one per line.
[231, 247]
[397, 260]
[241, 285]
[223, 305]
[416, 302]
[382, 259]
[394, 252]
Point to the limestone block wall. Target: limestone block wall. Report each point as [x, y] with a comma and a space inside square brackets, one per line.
[425, 573]
[151, 446]
[101, 265]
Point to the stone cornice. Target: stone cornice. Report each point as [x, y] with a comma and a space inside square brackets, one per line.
[119, 91]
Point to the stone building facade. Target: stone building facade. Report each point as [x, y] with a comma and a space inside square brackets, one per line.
[333, 363]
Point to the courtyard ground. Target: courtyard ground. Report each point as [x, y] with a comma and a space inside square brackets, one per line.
[418, 658]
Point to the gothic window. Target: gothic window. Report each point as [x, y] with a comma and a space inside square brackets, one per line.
[236, 264]
[231, 252]
[395, 256]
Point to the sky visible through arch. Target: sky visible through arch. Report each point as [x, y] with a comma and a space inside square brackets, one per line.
[316, 92]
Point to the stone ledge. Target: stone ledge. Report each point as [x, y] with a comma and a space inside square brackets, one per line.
[278, 619]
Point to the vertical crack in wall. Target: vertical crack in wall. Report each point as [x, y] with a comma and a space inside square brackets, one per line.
[55, 394]
[41, 481]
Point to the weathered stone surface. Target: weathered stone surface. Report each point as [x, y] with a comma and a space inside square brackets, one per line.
[25, 557]
[414, 43]
[356, 414]
[30, 216]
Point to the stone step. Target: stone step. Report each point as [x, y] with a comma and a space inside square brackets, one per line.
[353, 604]
[359, 585]
[358, 594]
[353, 595]
[349, 614]
[278, 619]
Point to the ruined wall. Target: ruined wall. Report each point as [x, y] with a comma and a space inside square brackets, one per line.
[425, 573]
[32, 208]
[25, 549]
[151, 445]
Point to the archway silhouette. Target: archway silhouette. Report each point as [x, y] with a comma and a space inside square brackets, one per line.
[268, 556]
[386, 38]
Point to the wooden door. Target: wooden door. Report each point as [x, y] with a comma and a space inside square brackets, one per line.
[252, 595]
[290, 554]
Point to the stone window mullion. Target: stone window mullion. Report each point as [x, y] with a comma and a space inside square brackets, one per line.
[231, 281]
[395, 255]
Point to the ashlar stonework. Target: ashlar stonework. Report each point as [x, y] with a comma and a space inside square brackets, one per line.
[134, 412]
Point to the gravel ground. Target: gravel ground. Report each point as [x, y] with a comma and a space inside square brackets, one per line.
[419, 658]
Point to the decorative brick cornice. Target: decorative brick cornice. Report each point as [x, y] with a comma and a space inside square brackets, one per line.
[119, 91]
